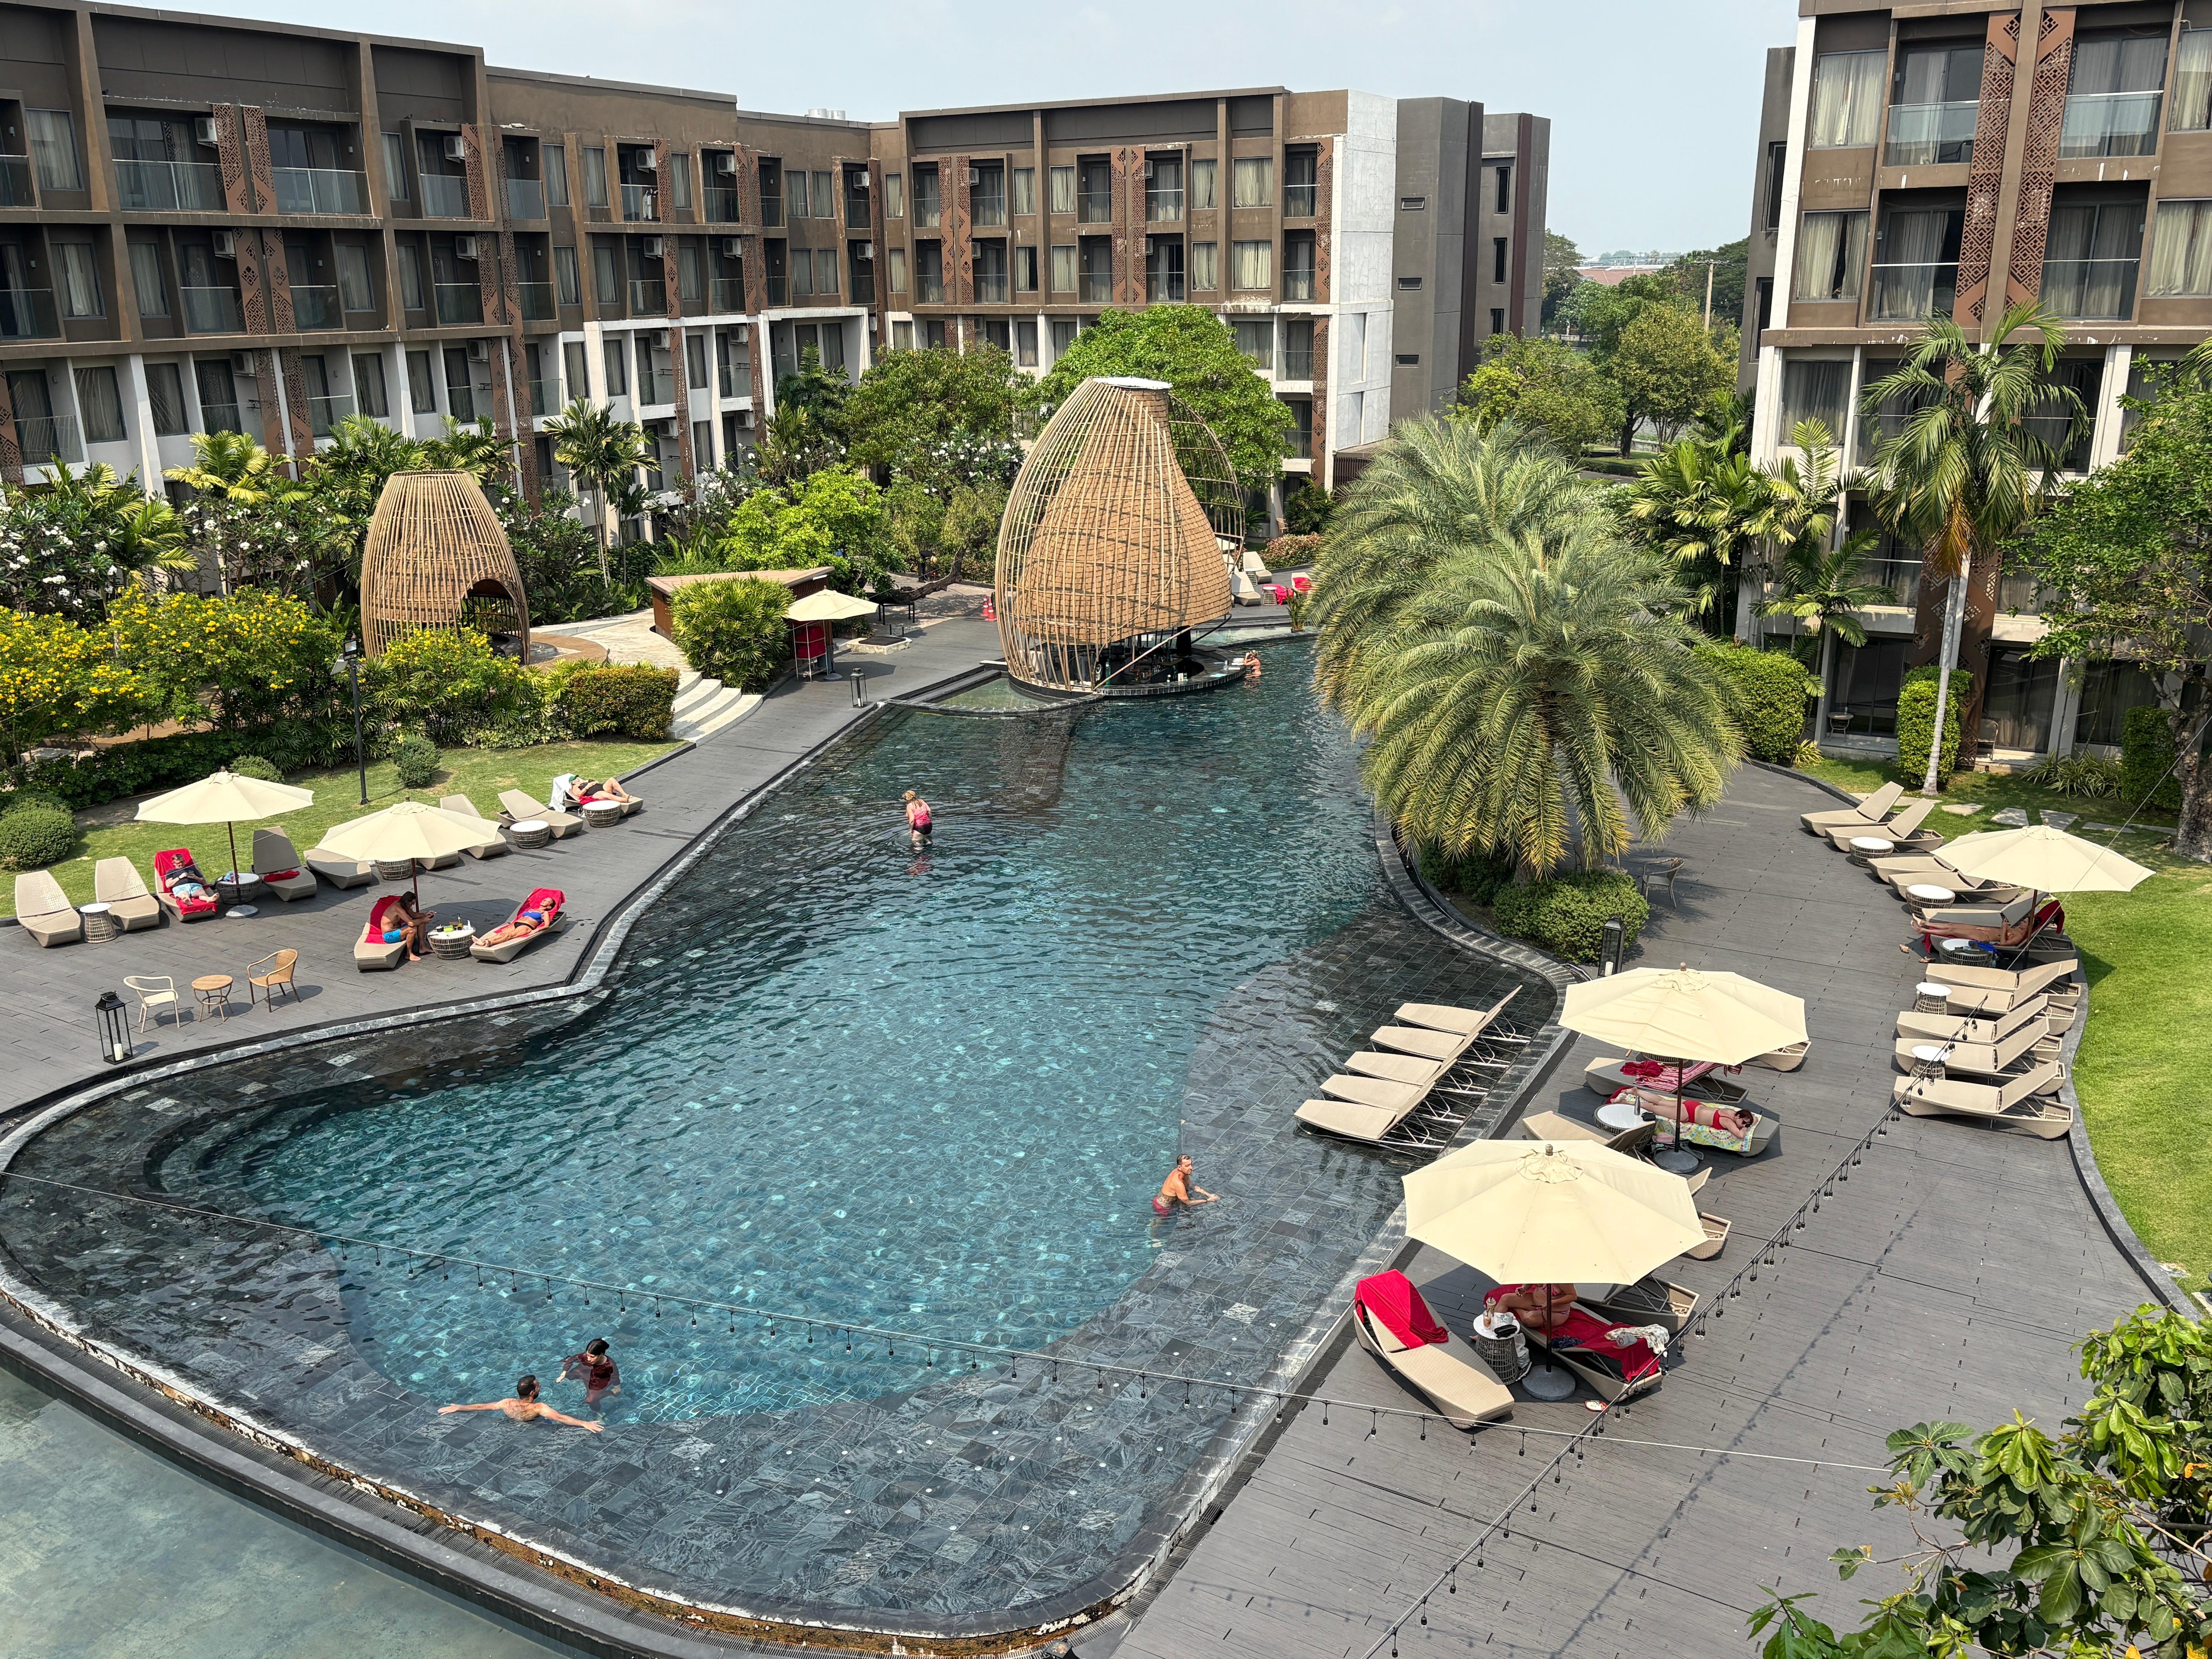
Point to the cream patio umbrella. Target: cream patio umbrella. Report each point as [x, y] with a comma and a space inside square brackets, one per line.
[1544, 1211]
[1686, 1014]
[828, 605]
[226, 797]
[410, 830]
[2043, 860]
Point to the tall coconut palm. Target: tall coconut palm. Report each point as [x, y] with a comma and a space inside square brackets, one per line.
[601, 453]
[1797, 501]
[1966, 469]
[1516, 663]
[1822, 589]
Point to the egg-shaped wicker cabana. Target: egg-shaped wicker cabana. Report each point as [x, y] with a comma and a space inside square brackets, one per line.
[1116, 537]
[436, 557]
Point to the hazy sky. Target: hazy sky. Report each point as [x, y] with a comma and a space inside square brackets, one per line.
[1654, 108]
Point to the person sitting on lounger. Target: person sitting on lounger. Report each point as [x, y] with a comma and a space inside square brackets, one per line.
[595, 1369]
[1543, 1308]
[1178, 1188]
[185, 882]
[525, 924]
[405, 921]
[525, 1408]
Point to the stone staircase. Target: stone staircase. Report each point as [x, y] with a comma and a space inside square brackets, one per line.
[704, 706]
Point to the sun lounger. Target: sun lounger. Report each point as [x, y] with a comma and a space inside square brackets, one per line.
[1761, 1134]
[1365, 1108]
[1869, 812]
[2026, 982]
[279, 866]
[2012, 1106]
[370, 952]
[2062, 1003]
[2033, 1014]
[1608, 1074]
[168, 868]
[2006, 926]
[1648, 1301]
[1425, 1357]
[116, 884]
[1921, 869]
[1459, 1021]
[1584, 1346]
[462, 806]
[545, 905]
[1782, 1059]
[2025, 1049]
[1378, 1093]
[43, 910]
[1399, 1068]
[1419, 1040]
[340, 872]
[515, 807]
[1902, 831]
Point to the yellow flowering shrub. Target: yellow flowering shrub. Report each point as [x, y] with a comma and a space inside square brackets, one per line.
[57, 679]
[236, 658]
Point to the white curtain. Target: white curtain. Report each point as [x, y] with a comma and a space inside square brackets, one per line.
[1830, 253]
[1205, 182]
[80, 280]
[2192, 81]
[53, 148]
[1254, 183]
[2181, 246]
[1846, 99]
[1255, 266]
[99, 404]
[1206, 266]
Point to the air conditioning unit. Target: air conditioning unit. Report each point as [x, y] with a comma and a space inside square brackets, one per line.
[726, 164]
[867, 250]
[660, 339]
[733, 248]
[204, 130]
[975, 177]
[744, 419]
[457, 148]
[743, 332]
[858, 177]
[226, 245]
[465, 247]
[652, 245]
[480, 351]
[646, 161]
[241, 362]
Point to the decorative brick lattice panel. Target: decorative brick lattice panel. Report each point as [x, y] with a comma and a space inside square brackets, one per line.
[473, 166]
[1319, 448]
[681, 375]
[11, 443]
[960, 243]
[253, 284]
[2038, 162]
[526, 448]
[296, 400]
[661, 205]
[880, 307]
[1324, 168]
[1129, 208]
[491, 284]
[1986, 176]
[256, 120]
[503, 406]
[281, 320]
[273, 435]
[230, 159]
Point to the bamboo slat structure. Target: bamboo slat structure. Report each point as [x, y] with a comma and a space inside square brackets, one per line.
[1117, 534]
[436, 557]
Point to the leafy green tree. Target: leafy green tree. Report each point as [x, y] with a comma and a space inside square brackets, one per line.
[2083, 1544]
[1307, 509]
[1598, 313]
[2125, 564]
[600, 452]
[70, 549]
[1192, 350]
[911, 410]
[1514, 663]
[1668, 368]
[238, 659]
[1966, 470]
[230, 466]
[1561, 275]
[1821, 588]
[734, 631]
[57, 679]
[1729, 264]
[837, 518]
[1545, 386]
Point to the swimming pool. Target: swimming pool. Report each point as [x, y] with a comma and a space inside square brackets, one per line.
[933, 1093]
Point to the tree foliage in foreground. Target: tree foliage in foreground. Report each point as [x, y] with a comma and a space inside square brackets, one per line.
[2087, 1544]
[1544, 387]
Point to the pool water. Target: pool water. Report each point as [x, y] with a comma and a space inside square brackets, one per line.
[930, 1092]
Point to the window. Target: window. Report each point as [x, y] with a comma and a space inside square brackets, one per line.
[2181, 247]
[2109, 690]
[825, 270]
[368, 391]
[1255, 340]
[2089, 259]
[2112, 95]
[595, 176]
[1063, 331]
[165, 392]
[1846, 99]
[616, 362]
[1815, 390]
[1206, 183]
[146, 278]
[1778, 158]
[894, 196]
[695, 360]
[1933, 104]
[1094, 190]
[986, 193]
[926, 208]
[1252, 266]
[1916, 263]
[1411, 359]
[1025, 270]
[1299, 265]
[607, 273]
[1025, 191]
[690, 277]
[1063, 267]
[53, 148]
[1412, 203]
[1504, 203]
[825, 195]
[1498, 320]
[802, 272]
[1830, 253]
[573, 366]
[1252, 182]
[1205, 266]
[796, 196]
[1409, 284]
[554, 162]
[567, 285]
[2192, 81]
[902, 336]
[1497, 259]
[991, 272]
[1062, 181]
[78, 277]
[422, 392]
[411, 277]
[929, 273]
[896, 259]
[680, 178]
[1163, 189]
[355, 290]
[1095, 272]
[100, 405]
[1025, 345]
[993, 330]
[395, 167]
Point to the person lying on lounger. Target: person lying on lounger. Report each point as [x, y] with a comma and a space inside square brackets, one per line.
[1542, 1309]
[608, 789]
[525, 1408]
[185, 882]
[524, 925]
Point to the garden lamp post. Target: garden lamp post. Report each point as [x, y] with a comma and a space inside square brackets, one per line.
[1615, 931]
[349, 664]
[114, 1034]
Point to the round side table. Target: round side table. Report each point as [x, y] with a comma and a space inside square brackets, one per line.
[98, 923]
[531, 834]
[1867, 848]
[213, 992]
[603, 814]
[450, 945]
[1929, 998]
[1928, 1060]
[1927, 892]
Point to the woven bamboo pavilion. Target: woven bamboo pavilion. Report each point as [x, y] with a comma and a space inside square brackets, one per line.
[1116, 541]
[436, 557]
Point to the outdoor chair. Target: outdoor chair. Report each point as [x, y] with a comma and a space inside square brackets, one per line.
[1425, 1359]
[543, 906]
[462, 806]
[340, 872]
[279, 966]
[1868, 813]
[515, 807]
[1667, 870]
[170, 867]
[155, 994]
[2036, 1013]
[371, 953]
[43, 911]
[1990, 1061]
[116, 884]
[278, 866]
[1584, 1346]
[1903, 832]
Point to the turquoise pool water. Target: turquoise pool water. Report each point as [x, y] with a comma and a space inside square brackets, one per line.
[930, 1092]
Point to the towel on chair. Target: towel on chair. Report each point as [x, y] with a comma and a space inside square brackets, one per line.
[1392, 1298]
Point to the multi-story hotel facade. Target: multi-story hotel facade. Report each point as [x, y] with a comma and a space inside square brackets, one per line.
[209, 224]
[1956, 159]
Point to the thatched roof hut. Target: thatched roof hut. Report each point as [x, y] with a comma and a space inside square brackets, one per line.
[436, 557]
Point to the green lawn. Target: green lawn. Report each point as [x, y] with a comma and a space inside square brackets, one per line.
[479, 774]
[2148, 1045]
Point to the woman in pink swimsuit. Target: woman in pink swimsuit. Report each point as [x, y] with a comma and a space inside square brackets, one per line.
[919, 822]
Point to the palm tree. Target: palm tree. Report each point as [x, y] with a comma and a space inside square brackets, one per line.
[1797, 504]
[600, 452]
[1821, 587]
[1697, 502]
[230, 466]
[1967, 467]
[1515, 664]
[474, 448]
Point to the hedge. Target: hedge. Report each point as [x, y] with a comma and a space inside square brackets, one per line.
[32, 837]
[415, 759]
[1916, 721]
[627, 700]
[735, 631]
[1766, 693]
[138, 769]
[1566, 913]
[1475, 878]
[2146, 752]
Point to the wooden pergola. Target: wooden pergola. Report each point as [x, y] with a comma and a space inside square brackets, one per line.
[437, 557]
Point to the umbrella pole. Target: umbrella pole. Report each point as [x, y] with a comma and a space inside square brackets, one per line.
[232, 830]
[1544, 1381]
[1673, 1158]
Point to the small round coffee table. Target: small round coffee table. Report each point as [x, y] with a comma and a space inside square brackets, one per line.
[213, 992]
[1930, 998]
[1620, 1115]
[603, 814]
[1928, 1060]
[1867, 848]
[238, 891]
[99, 922]
[451, 944]
[1928, 893]
[531, 834]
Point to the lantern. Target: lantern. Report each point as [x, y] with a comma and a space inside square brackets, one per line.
[1615, 932]
[114, 1031]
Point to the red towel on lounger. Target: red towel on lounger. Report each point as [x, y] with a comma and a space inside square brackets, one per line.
[1397, 1306]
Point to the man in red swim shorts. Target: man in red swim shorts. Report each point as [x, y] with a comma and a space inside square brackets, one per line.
[1178, 1189]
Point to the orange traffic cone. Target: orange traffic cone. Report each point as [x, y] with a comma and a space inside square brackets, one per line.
[990, 612]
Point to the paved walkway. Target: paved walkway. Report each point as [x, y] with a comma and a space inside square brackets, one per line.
[49, 992]
[1949, 1278]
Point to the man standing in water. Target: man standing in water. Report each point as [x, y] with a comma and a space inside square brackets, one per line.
[1178, 1188]
[525, 1406]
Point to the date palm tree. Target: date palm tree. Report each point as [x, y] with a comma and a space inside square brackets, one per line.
[1968, 467]
[601, 453]
[1516, 664]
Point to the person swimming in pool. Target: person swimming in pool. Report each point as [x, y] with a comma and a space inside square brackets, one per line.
[595, 1369]
[525, 1408]
[1178, 1189]
[919, 822]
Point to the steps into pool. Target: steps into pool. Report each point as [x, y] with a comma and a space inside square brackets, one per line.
[704, 706]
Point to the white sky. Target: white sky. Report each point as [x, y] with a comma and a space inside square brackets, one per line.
[1654, 107]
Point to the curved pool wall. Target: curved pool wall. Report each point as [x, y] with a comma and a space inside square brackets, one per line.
[827, 1077]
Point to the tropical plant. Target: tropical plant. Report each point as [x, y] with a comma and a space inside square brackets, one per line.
[32, 837]
[415, 757]
[1544, 386]
[2088, 777]
[73, 547]
[1697, 502]
[238, 659]
[1822, 589]
[454, 686]
[1515, 663]
[932, 416]
[734, 631]
[56, 679]
[600, 452]
[833, 518]
[471, 447]
[1966, 471]
[795, 443]
[230, 466]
